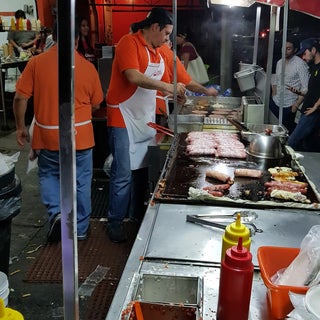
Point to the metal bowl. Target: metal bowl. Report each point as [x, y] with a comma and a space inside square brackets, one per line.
[265, 146]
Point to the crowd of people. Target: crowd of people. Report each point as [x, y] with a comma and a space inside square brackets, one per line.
[300, 96]
[141, 86]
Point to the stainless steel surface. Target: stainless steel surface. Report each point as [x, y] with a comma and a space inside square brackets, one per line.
[170, 246]
[183, 241]
[171, 289]
[266, 147]
[209, 276]
[276, 130]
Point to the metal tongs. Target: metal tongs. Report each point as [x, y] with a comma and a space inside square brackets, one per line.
[213, 220]
[162, 129]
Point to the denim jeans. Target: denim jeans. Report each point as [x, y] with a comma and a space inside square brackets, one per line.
[120, 175]
[302, 138]
[49, 179]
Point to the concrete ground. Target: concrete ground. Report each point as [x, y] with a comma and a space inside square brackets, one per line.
[36, 301]
[28, 232]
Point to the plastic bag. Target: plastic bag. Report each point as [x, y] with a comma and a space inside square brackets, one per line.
[300, 312]
[7, 162]
[107, 164]
[304, 269]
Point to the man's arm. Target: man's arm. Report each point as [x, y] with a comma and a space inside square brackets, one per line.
[19, 110]
[139, 79]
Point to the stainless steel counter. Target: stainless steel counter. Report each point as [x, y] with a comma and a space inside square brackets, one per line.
[170, 245]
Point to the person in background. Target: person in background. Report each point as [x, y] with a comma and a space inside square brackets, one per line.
[49, 40]
[191, 59]
[305, 136]
[295, 79]
[21, 40]
[35, 82]
[40, 42]
[182, 77]
[84, 46]
[187, 51]
[136, 75]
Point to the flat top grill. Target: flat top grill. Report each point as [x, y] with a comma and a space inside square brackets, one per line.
[182, 172]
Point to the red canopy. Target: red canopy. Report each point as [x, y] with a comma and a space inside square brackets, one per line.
[311, 7]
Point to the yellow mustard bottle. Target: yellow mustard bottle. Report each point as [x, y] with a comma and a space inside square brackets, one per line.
[232, 233]
[13, 24]
[8, 313]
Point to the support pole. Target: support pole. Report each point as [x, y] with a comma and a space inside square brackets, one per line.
[66, 42]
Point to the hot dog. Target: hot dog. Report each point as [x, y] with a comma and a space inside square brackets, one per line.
[250, 173]
[223, 177]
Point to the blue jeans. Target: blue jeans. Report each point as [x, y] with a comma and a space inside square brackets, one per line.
[301, 138]
[49, 179]
[120, 175]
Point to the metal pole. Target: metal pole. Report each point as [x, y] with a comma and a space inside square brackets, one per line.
[66, 42]
[174, 47]
[256, 36]
[266, 99]
[2, 84]
[283, 61]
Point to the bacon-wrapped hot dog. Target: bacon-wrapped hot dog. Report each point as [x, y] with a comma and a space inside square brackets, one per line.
[223, 177]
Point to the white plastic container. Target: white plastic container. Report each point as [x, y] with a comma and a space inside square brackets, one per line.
[4, 288]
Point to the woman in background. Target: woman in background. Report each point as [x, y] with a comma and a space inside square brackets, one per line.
[84, 46]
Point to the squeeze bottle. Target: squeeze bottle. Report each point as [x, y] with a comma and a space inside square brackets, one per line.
[232, 233]
[9, 314]
[235, 284]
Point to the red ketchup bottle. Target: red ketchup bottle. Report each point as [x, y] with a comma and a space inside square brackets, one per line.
[235, 284]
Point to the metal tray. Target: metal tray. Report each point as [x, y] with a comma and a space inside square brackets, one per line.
[182, 172]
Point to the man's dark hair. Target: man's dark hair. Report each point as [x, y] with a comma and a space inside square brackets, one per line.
[55, 30]
[20, 14]
[156, 15]
[294, 40]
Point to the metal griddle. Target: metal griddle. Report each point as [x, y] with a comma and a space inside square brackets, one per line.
[182, 172]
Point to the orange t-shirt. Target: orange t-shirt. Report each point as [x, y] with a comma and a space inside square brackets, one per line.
[182, 74]
[40, 80]
[130, 53]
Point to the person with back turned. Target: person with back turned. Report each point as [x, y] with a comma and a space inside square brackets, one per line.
[136, 75]
[88, 95]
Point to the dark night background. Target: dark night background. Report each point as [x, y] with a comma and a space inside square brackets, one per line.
[204, 31]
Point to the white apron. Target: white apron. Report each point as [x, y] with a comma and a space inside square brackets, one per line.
[137, 111]
[33, 154]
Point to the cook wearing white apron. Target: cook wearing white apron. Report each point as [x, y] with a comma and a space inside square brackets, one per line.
[137, 111]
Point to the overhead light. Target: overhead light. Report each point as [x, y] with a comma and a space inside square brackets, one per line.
[234, 3]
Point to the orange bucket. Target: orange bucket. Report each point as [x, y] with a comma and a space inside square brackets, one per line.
[272, 259]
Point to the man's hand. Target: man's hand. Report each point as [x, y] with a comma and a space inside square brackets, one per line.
[212, 92]
[22, 136]
[310, 110]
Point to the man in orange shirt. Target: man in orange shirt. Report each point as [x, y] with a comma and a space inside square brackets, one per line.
[137, 70]
[183, 77]
[40, 80]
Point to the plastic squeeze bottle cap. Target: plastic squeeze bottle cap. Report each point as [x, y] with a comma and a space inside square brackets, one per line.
[9, 314]
[233, 232]
[238, 256]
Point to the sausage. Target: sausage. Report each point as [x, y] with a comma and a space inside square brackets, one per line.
[293, 184]
[215, 193]
[286, 188]
[250, 173]
[217, 187]
[219, 176]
